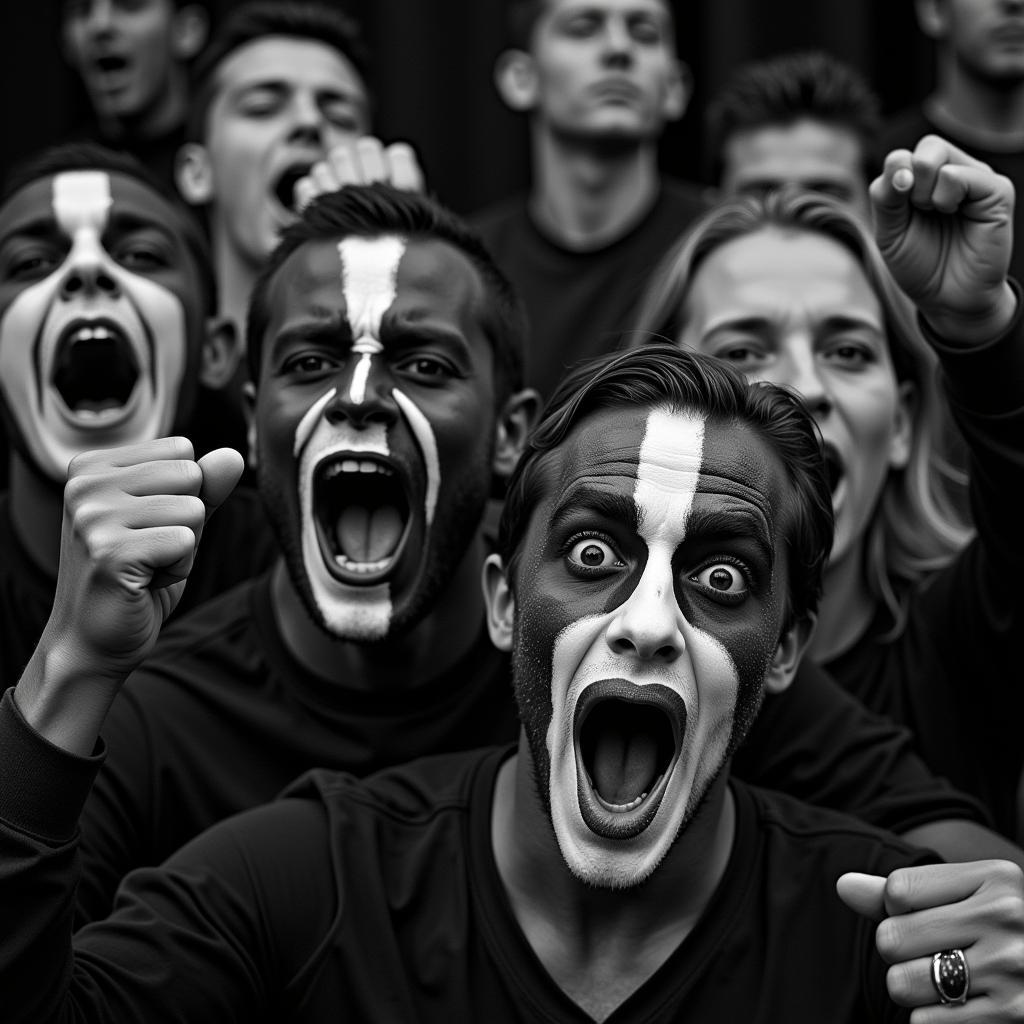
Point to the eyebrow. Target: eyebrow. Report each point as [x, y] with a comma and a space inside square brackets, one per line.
[705, 524]
[583, 497]
[759, 323]
[47, 225]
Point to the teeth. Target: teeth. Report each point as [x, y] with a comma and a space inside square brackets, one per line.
[92, 334]
[357, 466]
[365, 567]
[620, 808]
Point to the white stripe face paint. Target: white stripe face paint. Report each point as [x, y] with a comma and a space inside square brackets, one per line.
[420, 426]
[34, 331]
[703, 674]
[349, 612]
[369, 270]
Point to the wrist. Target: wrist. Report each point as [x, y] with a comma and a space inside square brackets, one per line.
[974, 327]
[61, 699]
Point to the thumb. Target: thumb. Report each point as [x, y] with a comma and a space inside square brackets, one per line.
[222, 469]
[864, 894]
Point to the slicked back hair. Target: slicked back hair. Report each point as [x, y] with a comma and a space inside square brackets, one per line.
[369, 211]
[661, 375]
[257, 19]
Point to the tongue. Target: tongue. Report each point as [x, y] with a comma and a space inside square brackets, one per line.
[624, 766]
[368, 534]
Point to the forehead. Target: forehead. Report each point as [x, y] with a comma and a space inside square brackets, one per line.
[657, 458]
[435, 286]
[32, 206]
[791, 152]
[288, 59]
[552, 9]
[778, 274]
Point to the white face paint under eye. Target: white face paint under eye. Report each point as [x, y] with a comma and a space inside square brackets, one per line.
[89, 309]
[369, 270]
[604, 646]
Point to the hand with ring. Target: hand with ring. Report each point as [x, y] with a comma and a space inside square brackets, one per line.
[953, 935]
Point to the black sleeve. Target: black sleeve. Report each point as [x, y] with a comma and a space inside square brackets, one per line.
[817, 742]
[218, 933]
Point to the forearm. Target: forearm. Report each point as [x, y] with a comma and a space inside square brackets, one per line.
[42, 790]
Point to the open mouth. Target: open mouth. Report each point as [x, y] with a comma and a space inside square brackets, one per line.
[284, 187]
[110, 63]
[833, 467]
[362, 516]
[95, 371]
[627, 742]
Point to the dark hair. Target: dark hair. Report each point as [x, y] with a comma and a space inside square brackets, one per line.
[659, 375]
[789, 88]
[89, 156]
[371, 210]
[256, 20]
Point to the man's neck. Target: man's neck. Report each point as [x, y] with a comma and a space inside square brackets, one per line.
[601, 945]
[432, 646]
[37, 510]
[586, 197]
[235, 280]
[981, 113]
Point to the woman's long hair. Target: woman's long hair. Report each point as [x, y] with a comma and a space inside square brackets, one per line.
[916, 527]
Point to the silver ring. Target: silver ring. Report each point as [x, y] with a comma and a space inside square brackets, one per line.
[951, 976]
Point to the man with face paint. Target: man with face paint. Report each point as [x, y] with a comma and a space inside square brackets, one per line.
[385, 347]
[607, 867]
[104, 291]
[279, 85]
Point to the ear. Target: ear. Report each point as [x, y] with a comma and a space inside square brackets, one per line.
[514, 424]
[220, 353]
[932, 18]
[788, 653]
[194, 174]
[249, 408]
[189, 31]
[515, 76]
[903, 432]
[501, 603]
[678, 92]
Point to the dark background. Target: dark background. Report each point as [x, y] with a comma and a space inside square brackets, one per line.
[432, 75]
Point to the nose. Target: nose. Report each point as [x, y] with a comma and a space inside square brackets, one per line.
[617, 48]
[648, 625]
[99, 16]
[308, 122]
[803, 373]
[87, 274]
[364, 394]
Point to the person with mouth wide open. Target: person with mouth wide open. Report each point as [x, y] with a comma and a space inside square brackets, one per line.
[661, 552]
[105, 339]
[918, 620]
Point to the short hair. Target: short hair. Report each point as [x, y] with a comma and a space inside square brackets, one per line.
[917, 527]
[369, 211]
[257, 19]
[792, 87]
[659, 375]
[90, 156]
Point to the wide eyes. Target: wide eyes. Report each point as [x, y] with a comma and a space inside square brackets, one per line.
[591, 556]
[722, 579]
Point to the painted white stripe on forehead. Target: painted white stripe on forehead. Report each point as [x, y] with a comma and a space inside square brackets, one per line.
[369, 270]
[671, 456]
[81, 199]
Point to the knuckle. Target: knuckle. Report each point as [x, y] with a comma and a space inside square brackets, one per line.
[900, 887]
[889, 938]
